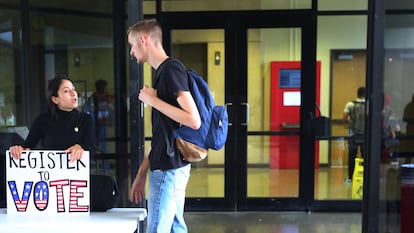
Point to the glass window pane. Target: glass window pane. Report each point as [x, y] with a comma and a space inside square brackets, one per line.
[9, 66]
[342, 53]
[149, 7]
[10, 1]
[274, 105]
[11, 99]
[398, 124]
[398, 4]
[218, 5]
[101, 6]
[340, 5]
[82, 47]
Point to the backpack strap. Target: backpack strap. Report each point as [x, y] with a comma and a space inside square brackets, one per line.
[169, 140]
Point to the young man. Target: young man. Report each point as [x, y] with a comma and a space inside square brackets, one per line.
[354, 116]
[172, 103]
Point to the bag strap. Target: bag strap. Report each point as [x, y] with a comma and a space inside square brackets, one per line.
[168, 140]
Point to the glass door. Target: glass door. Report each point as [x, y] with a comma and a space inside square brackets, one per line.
[282, 95]
[277, 115]
[260, 74]
[274, 101]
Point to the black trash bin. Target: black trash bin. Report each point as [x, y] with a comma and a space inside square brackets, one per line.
[407, 198]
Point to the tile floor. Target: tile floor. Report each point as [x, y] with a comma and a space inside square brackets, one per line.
[273, 222]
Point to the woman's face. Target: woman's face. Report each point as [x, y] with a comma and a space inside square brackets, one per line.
[67, 98]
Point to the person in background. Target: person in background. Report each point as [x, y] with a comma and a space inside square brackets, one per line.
[391, 130]
[391, 123]
[63, 127]
[103, 112]
[354, 117]
[407, 143]
[171, 100]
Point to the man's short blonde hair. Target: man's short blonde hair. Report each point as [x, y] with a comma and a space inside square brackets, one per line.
[148, 26]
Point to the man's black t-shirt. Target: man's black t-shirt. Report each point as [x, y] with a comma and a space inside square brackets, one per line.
[171, 77]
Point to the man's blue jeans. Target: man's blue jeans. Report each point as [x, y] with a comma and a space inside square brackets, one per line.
[166, 199]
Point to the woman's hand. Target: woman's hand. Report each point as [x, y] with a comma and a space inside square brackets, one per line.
[76, 152]
[16, 151]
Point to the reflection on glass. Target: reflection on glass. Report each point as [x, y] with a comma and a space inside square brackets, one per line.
[398, 115]
[329, 184]
[9, 41]
[271, 171]
[205, 182]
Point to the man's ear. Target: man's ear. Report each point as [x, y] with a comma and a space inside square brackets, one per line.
[143, 38]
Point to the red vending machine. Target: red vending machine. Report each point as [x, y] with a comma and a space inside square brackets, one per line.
[285, 114]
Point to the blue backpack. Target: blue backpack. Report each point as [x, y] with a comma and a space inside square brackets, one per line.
[212, 133]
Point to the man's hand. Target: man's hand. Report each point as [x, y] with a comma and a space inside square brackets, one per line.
[137, 192]
[147, 95]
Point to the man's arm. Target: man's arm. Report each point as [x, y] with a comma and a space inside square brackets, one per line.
[137, 192]
[186, 115]
[345, 117]
[347, 112]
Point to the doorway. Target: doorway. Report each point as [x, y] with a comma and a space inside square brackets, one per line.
[348, 74]
[239, 56]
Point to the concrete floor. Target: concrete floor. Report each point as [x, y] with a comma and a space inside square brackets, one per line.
[273, 222]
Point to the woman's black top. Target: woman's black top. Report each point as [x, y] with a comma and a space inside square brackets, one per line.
[62, 132]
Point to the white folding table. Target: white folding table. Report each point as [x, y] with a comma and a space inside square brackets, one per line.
[114, 220]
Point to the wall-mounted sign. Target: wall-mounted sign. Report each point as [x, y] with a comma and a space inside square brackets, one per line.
[45, 182]
[291, 98]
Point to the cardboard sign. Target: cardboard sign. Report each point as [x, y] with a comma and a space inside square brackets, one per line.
[45, 182]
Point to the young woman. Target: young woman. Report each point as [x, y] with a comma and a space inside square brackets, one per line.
[63, 127]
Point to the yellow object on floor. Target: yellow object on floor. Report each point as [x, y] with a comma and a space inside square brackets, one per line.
[358, 179]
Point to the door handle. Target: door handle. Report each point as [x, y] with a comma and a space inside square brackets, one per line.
[247, 113]
[227, 106]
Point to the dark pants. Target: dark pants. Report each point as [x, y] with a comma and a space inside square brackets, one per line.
[355, 141]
